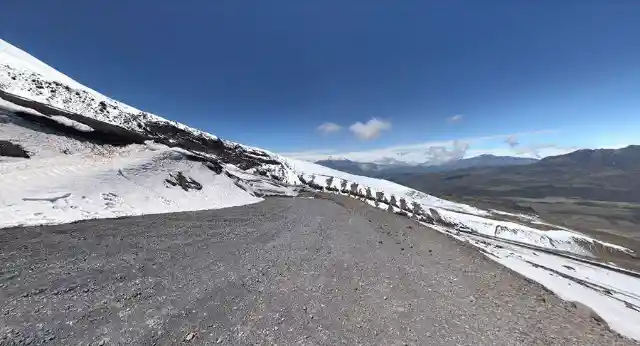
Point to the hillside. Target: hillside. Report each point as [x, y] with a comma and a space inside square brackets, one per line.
[602, 174]
[383, 170]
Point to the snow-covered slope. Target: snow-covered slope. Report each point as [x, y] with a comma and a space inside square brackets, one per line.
[133, 182]
[19, 59]
[94, 157]
[23, 75]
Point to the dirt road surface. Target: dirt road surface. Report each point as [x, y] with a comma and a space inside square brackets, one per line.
[287, 271]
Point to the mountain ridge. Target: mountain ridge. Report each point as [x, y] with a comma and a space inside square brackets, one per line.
[382, 170]
[594, 174]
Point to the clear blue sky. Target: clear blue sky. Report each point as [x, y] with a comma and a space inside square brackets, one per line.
[268, 73]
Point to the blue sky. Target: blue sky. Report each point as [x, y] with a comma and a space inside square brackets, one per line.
[550, 76]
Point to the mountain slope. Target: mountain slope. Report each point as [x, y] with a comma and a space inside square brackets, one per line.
[390, 170]
[353, 167]
[487, 160]
[602, 174]
[23, 75]
[21, 60]
[94, 157]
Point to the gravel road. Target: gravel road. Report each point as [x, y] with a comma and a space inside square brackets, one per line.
[287, 271]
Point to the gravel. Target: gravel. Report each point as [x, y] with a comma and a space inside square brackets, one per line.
[285, 271]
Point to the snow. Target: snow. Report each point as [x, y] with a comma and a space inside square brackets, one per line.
[258, 185]
[389, 188]
[19, 70]
[39, 140]
[71, 123]
[18, 58]
[618, 316]
[613, 296]
[8, 106]
[610, 299]
[79, 187]
[552, 239]
[68, 180]
[151, 145]
[566, 235]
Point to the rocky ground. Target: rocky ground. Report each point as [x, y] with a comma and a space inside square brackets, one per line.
[285, 271]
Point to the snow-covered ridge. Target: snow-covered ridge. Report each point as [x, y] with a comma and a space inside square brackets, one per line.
[173, 167]
[20, 59]
[23, 75]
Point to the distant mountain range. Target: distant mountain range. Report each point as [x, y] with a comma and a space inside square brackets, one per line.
[383, 170]
[600, 174]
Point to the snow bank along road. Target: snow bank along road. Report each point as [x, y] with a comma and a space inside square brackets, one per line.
[283, 271]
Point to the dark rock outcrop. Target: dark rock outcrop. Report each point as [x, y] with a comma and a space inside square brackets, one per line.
[13, 150]
[186, 183]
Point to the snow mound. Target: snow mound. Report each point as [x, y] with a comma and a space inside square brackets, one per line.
[78, 187]
[71, 123]
[69, 179]
[12, 107]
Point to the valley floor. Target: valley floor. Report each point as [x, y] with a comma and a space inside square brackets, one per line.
[282, 271]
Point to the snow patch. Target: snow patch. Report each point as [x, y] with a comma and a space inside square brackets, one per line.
[129, 183]
[71, 123]
[389, 188]
[553, 239]
[613, 296]
[11, 107]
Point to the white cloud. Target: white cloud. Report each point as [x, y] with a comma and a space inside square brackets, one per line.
[441, 153]
[430, 152]
[539, 151]
[455, 118]
[328, 127]
[427, 152]
[369, 130]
